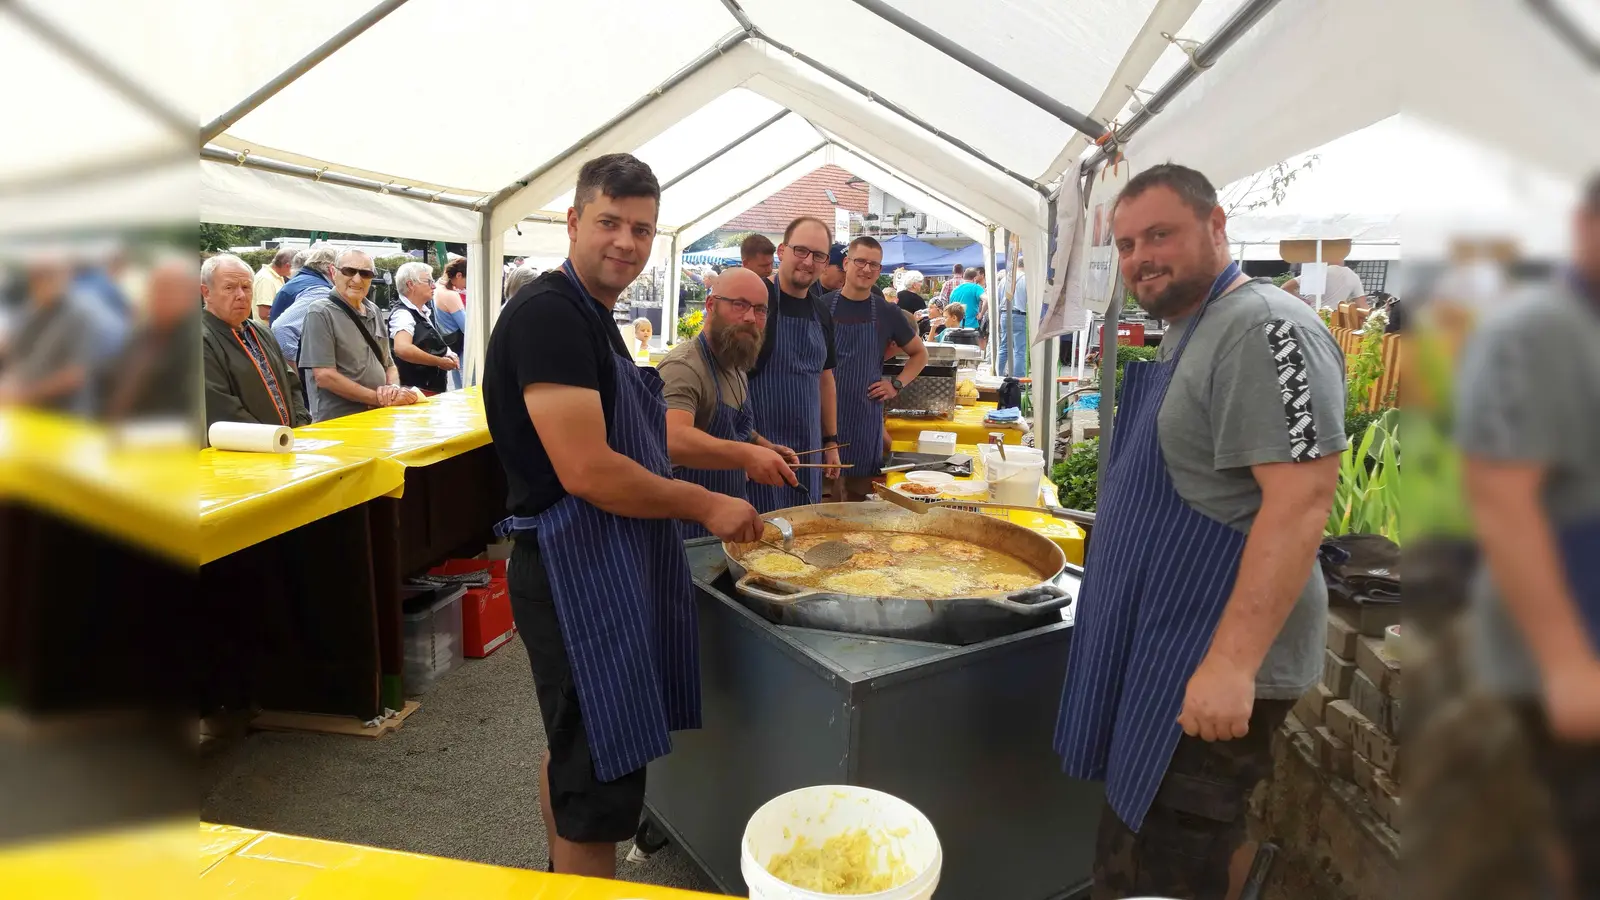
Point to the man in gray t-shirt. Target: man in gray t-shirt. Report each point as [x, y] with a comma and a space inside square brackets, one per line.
[1527, 402]
[1201, 614]
[337, 346]
[1226, 413]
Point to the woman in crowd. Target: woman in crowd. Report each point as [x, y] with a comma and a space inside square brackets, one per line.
[450, 299]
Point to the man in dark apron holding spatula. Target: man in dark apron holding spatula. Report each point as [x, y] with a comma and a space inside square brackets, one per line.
[600, 585]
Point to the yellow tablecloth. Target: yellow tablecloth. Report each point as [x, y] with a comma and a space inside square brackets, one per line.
[142, 495]
[1066, 535]
[966, 422]
[246, 498]
[241, 864]
[438, 428]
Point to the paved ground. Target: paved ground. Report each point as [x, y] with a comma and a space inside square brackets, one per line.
[459, 780]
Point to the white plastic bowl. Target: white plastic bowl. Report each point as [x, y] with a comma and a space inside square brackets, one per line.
[823, 811]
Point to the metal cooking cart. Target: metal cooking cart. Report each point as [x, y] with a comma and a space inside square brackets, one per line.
[962, 733]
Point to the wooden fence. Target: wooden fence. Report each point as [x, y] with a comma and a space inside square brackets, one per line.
[1389, 382]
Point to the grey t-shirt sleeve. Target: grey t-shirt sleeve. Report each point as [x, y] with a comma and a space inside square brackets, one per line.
[683, 388]
[318, 348]
[1277, 395]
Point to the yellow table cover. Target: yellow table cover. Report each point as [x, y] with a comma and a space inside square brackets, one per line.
[966, 422]
[158, 862]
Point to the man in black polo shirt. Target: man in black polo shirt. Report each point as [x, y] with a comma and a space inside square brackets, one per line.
[791, 387]
[600, 586]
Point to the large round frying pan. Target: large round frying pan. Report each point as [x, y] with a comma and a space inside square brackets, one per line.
[951, 620]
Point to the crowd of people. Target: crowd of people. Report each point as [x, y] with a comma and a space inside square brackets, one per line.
[302, 341]
[73, 340]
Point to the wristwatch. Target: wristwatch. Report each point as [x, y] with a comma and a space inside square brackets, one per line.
[829, 439]
[898, 387]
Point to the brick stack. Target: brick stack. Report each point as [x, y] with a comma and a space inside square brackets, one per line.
[1354, 713]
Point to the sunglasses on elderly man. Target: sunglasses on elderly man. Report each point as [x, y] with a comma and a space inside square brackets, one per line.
[353, 272]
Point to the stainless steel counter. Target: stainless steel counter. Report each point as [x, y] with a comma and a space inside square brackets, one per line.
[962, 733]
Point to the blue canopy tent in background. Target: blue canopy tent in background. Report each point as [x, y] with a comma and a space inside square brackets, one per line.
[968, 256]
[904, 251]
[719, 256]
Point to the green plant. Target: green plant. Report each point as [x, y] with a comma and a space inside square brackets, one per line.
[1077, 478]
[689, 325]
[1367, 499]
[1127, 354]
[886, 283]
[1365, 367]
[735, 239]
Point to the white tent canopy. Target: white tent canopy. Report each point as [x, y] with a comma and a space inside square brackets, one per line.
[706, 107]
[1406, 177]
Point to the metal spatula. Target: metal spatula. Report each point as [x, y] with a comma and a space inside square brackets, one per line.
[828, 554]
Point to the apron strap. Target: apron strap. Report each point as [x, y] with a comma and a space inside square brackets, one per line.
[1218, 288]
[711, 363]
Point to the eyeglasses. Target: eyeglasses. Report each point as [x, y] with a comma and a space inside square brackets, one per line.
[801, 253]
[866, 264]
[353, 272]
[741, 307]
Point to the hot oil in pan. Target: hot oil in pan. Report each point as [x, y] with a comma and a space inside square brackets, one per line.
[896, 564]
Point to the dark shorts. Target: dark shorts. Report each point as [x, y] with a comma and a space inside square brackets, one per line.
[587, 810]
[1571, 774]
[1197, 821]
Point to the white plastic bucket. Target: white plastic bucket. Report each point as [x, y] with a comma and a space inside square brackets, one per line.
[1015, 479]
[827, 810]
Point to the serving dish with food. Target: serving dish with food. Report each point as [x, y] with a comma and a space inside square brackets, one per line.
[948, 577]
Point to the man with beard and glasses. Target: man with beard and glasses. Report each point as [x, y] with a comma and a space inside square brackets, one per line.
[1202, 616]
[711, 432]
[792, 390]
[600, 584]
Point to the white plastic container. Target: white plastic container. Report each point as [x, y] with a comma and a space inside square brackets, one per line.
[1015, 479]
[941, 442]
[433, 642]
[821, 812]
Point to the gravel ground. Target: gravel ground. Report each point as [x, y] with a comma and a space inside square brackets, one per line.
[459, 780]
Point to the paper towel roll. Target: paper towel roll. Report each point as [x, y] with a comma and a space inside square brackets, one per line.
[250, 437]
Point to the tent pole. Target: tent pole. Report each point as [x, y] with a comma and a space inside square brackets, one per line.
[484, 288]
[1108, 378]
[677, 78]
[983, 67]
[898, 110]
[990, 271]
[758, 182]
[669, 303]
[1241, 22]
[1324, 277]
[306, 63]
[725, 148]
[277, 167]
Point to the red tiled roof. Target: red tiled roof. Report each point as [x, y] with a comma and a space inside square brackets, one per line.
[803, 198]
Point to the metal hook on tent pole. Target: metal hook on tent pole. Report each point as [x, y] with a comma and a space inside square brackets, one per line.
[319, 174]
[435, 197]
[1190, 48]
[241, 156]
[1136, 95]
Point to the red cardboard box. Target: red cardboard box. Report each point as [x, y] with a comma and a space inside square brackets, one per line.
[486, 622]
[495, 567]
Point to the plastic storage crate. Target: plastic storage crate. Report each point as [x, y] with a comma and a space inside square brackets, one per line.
[433, 638]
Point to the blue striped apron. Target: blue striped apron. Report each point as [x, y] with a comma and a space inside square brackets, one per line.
[1155, 583]
[623, 595]
[729, 424]
[786, 399]
[859, 352]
